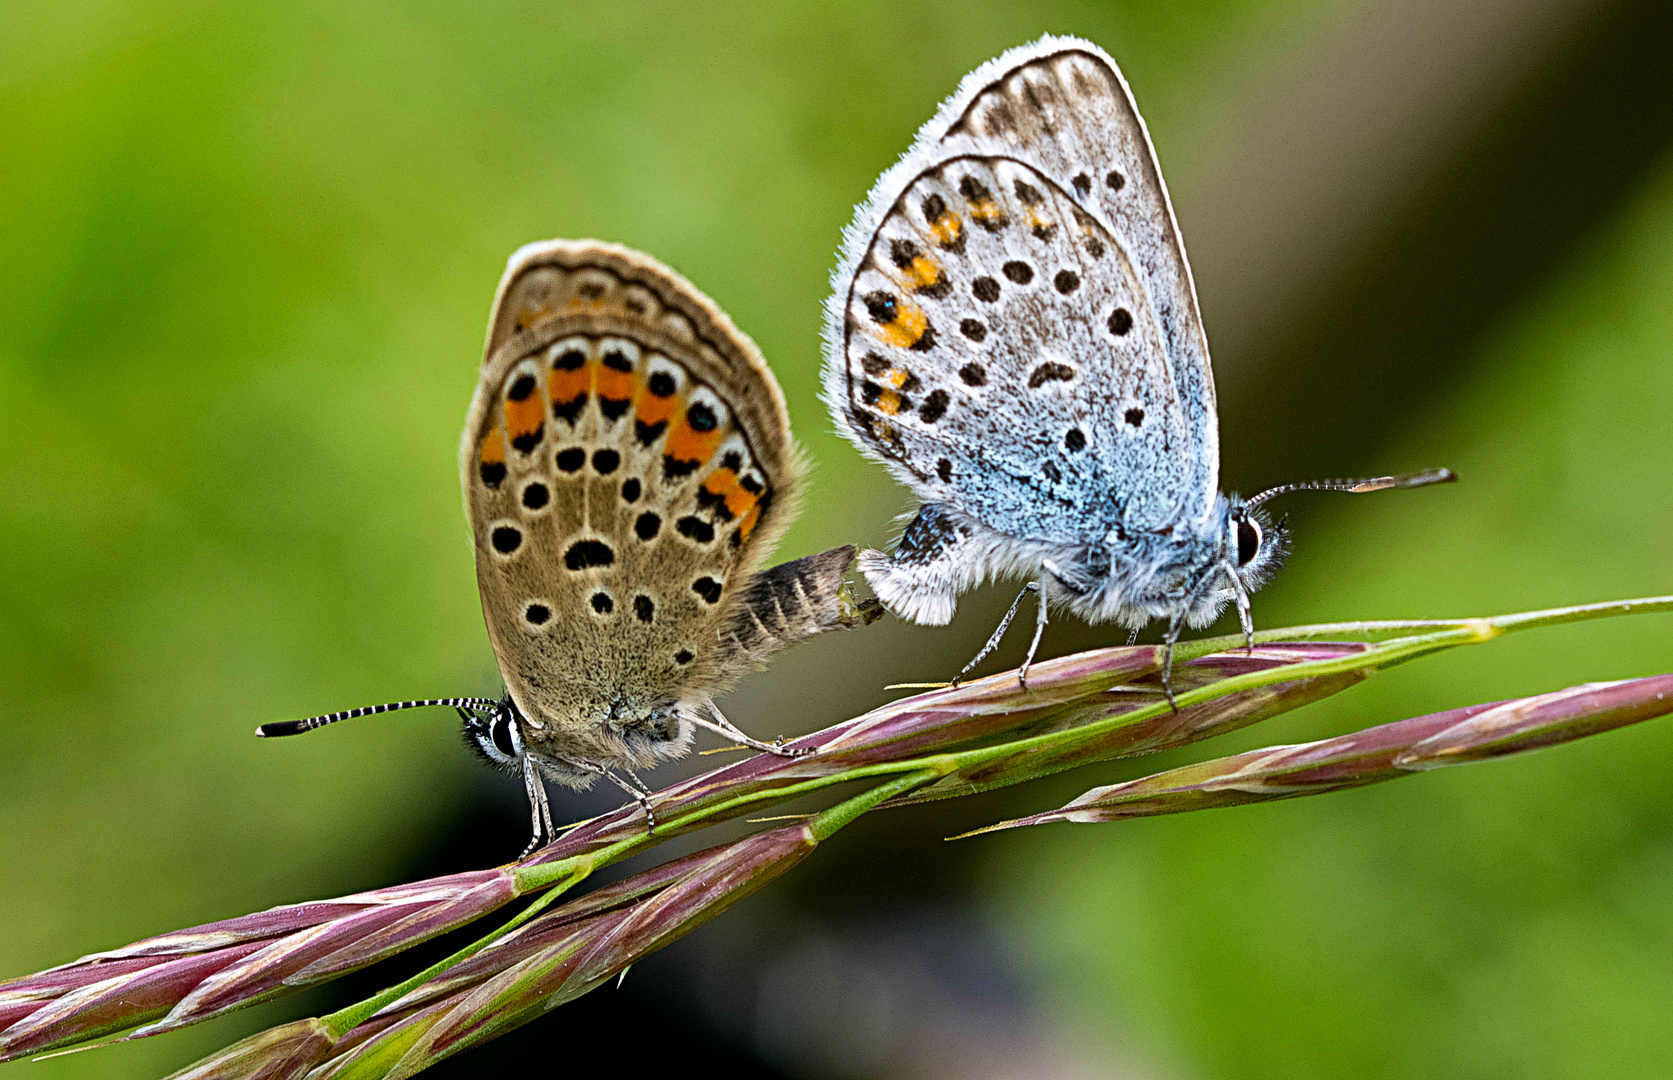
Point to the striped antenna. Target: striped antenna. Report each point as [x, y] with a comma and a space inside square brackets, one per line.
[1378, 483]
[297, 727]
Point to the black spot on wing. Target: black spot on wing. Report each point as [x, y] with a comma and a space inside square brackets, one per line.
[529, 439]
[588, 553]
[569, 411]
[926, 340]
[881, 306]
[674, 469]
[701, 417]
[695, 528]
[1050, 371]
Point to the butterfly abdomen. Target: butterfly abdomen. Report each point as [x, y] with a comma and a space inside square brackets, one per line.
[792, 601]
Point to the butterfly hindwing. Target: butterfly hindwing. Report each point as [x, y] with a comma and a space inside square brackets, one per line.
[627, 464]
[1014, 368]
[1024, 249]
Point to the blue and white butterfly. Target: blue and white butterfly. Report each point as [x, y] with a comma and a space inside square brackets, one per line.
[1014, 332]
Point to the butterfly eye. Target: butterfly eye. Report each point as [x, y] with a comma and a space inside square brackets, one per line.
[505, 740]
[1248, 541]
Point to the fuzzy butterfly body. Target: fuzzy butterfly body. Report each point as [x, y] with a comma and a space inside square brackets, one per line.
[1014, 332]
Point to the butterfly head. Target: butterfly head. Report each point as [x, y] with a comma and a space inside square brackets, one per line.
[495, 735]
[1252, 543]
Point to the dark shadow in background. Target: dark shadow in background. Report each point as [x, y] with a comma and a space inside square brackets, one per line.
[1500, 220]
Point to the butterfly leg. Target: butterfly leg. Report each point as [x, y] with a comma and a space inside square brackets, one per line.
[1039, 632]
[636, 791]
[1176, 626]
[1244, 616]
[1187, 600]
[723, 727]
[540, 810]
[993, 641]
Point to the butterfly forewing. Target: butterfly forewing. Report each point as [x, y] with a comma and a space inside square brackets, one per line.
[626, 464]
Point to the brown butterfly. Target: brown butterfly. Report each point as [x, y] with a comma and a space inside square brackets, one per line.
[627, 467]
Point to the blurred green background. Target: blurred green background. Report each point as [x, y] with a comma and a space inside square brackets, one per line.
[246, 256]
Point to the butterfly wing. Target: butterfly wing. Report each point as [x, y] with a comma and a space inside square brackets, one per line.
[1013, 328]
[627, 465]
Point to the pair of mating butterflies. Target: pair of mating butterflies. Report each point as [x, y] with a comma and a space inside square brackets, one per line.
[1013, 331]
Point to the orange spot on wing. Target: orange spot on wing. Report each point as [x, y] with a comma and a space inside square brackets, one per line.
[687, 444]
[720, 481]
[492, 451]
[727, 486]
[907, 327]
[888, 401]
[566, 386]
[747, 525]
[651, 410]
[987, 212]
[618, 385]
[740, 499]
[523, 418]
[946, 229]
[922, 272]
